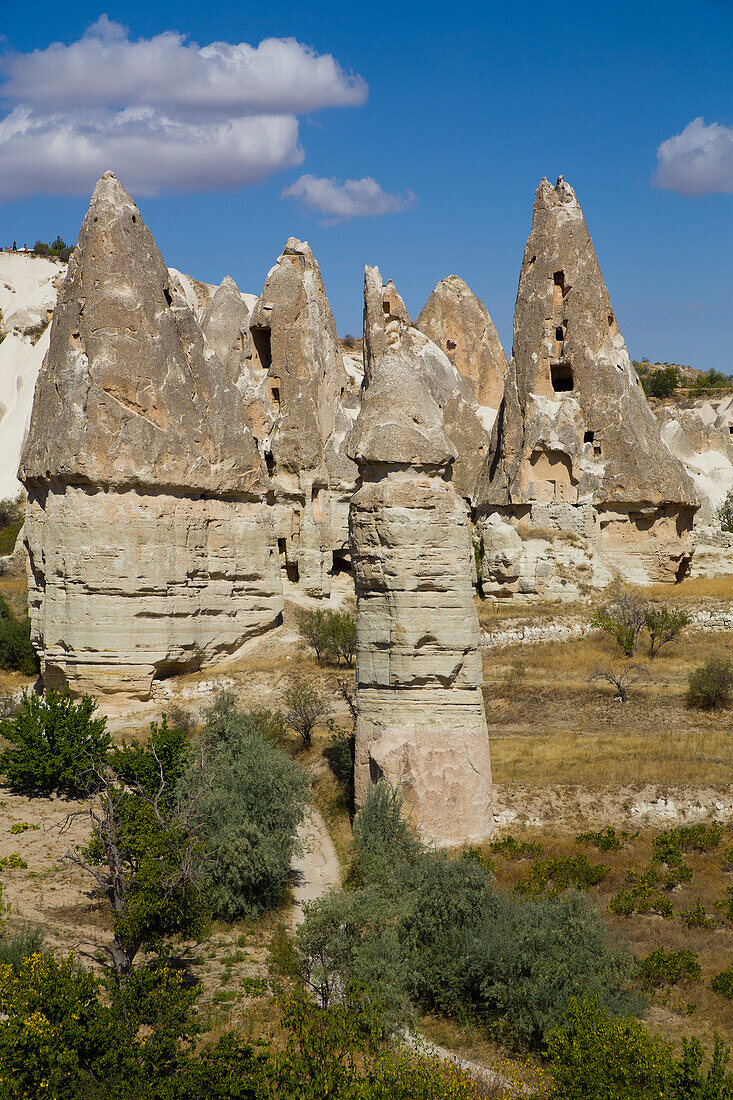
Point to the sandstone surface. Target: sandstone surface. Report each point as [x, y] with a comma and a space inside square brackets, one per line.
[311, 407]
[150, 545]
[387, 325]
[575, 431]
[421, 722]
[460, 324]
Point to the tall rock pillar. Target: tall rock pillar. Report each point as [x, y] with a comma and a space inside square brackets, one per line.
[421, 722]
[151, 549]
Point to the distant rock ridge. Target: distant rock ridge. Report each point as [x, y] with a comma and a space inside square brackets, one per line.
[151, 549]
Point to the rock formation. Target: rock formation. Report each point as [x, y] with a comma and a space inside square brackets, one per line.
[150, 546]
[387, 325]
[294, 343]
[459, 323]
[576, 449]
[421, 722]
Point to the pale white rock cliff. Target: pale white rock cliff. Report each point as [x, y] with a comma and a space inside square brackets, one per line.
[421, 722]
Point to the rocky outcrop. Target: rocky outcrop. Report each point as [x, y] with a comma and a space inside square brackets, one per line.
[575, 433]
[387, 325]
[459, 323]
[421, 722]
[151, 549]
[294, 342]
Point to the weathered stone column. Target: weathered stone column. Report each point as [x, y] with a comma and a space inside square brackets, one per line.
[421, 722]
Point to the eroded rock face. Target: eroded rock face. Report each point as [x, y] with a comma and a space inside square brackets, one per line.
[294, 341]
[574, 428]
[151, 549]
[421, 722]
[459, 323]
[387, 325]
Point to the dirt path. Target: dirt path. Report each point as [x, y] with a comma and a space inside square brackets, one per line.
[315, 871]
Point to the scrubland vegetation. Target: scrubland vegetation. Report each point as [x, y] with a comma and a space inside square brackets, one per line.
[586, 952]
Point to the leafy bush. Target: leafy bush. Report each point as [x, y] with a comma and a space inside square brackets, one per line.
[558, 873]
[14, 862]
[722, 983]
[252, 799]
[57, 744]
[662, 967]
[594, 1056]
[66, 1033]
[605, 840]
[709, 685]
[623, 618]
[695, 916]
[16, 652]
[513, 849]
[642, 896]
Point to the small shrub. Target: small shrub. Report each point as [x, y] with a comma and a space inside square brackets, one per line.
[515, 675]
[475, 855]
[513, 849]
[57, 744]
[594, 1056]
[726, 906]
[13, 862]
[16, 652]
[622, 680]
[722, 983]
[558, 873]
[643, 896]
[605, 840]
[662, 967]
[313, 628]
[22, 827]
[695, 916]
[709, 685]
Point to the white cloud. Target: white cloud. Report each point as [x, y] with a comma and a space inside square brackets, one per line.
[106, 68]
[161, 112]
[350, 199]
[698, 161]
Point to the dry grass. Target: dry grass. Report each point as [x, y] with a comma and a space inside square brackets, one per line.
[551, 726]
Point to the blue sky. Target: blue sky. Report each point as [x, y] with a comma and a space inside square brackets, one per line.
[458, 112]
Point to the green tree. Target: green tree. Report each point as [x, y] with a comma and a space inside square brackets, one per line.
[57, 744]
[247, 800]
[305, 707]
[663, 624]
